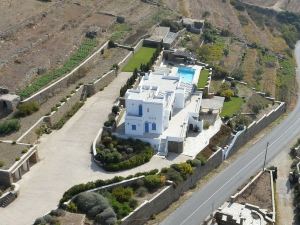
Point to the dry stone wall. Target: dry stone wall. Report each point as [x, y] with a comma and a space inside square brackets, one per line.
[242, 137]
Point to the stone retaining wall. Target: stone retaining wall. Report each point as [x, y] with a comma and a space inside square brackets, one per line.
[65, 107]
[242, 137]
[171, 193]
[49, 91]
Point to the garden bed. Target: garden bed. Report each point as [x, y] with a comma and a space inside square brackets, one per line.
[10, 153]
[115, 154]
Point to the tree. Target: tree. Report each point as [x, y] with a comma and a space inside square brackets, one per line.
[227, 94]
[226, 52]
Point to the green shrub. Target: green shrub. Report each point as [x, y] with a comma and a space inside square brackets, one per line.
[202, 158]
[107, 217]
[153, 182]
[17, 158]
[72, 207]
[185, 169]
[206, 125]
[87, 200]
[173, 175]
[1, 164]
[115, 109]
[24, 151]
[141, 191]
[26, 109]
[57, 212]
[9, 126]
[121, 209]
[122, 194]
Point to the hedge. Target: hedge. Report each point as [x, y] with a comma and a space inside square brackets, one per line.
[132, 162]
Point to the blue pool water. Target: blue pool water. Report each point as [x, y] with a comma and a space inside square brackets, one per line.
[186, 74]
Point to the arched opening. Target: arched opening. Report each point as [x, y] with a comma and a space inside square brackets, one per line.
[3, 107]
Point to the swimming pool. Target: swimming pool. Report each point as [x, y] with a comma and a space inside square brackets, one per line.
[186, 74]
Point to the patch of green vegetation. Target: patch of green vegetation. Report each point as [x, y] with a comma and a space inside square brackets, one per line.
[84, 50]
[203, 78]
[26, 109]
[9, 126]
[212, 53]
[119, 31]
[117, 154]
[286, 84]
[142, 56]
[232, 107]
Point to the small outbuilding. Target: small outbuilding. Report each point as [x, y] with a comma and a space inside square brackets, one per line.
[8, 103]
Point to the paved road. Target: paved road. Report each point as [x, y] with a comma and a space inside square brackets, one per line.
[218, 190]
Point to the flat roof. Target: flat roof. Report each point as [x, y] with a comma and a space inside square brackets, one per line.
[159, 34]
[239, 211]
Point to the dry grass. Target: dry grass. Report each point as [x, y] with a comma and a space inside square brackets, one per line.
[249, 66]
[259, 193]
[184, 8]
[233, 60]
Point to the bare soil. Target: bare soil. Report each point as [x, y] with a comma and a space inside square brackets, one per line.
[9, 153]
[37, 35]
[259, 193]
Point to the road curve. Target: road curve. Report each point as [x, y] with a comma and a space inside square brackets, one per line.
[218, 190]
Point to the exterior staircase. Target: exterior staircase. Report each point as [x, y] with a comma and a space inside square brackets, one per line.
[5, 201]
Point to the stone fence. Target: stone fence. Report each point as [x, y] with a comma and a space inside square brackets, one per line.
[242, 137]
[70, 78]
[168, 195]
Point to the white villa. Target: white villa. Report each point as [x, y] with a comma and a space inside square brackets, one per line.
[164, 107]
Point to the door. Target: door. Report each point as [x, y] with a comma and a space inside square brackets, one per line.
[146, 127]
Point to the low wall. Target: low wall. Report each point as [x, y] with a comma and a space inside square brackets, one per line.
[47, 92]
[31, 137]
[171, 193]
[242, 137]
[65, 107]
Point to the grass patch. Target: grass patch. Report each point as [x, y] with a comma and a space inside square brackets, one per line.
[84, 50]
[143, 56]
[232, 107]
[203, 78]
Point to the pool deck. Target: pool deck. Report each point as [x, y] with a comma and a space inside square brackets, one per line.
[174, 70]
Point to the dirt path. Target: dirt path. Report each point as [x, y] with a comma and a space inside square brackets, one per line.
[284, 197]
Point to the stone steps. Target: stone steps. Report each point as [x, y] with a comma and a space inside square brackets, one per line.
[10, 197]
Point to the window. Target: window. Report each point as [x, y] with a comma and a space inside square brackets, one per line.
[133, 127]
[153, 126]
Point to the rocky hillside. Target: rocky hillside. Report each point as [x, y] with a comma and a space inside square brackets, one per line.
[289, 5]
